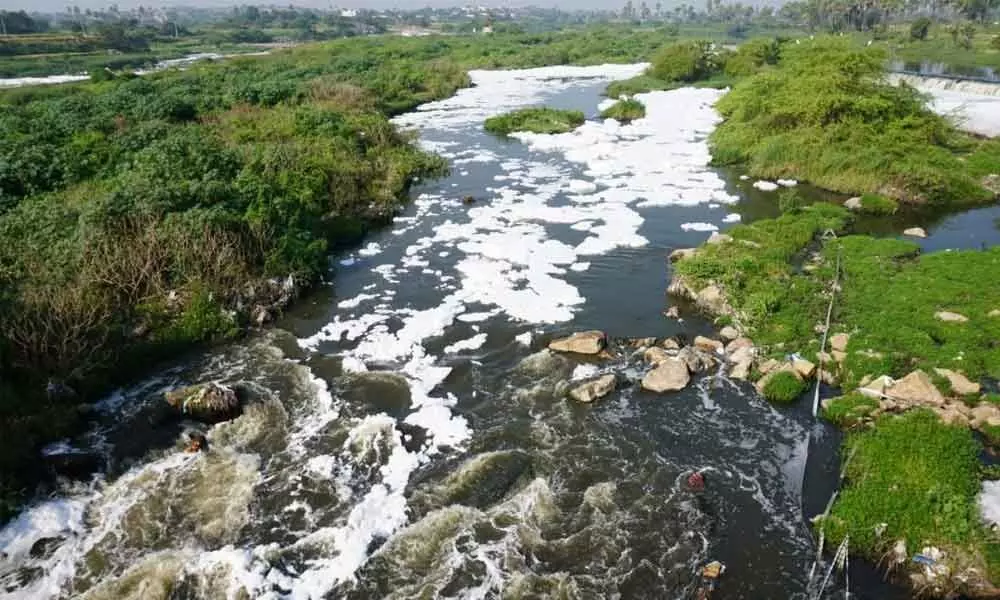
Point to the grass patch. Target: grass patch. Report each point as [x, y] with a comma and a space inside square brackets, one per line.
[625, 111]
[919, 477]
[878, 205]
[535, 120]
[849, 410]
[784, 387]
[639, 84]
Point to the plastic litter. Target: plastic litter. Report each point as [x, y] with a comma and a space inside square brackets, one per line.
[710, 574]
[696, 481]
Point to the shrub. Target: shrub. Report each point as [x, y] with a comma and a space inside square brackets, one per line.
[684, 61]
[637, 85]
[625, 111]
[784, 387]
[535, 120]
[919, 28]
[995, 42]
[751, 56]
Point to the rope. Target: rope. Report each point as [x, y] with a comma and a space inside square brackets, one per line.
[826, 332]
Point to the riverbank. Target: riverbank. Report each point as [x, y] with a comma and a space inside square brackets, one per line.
[909, 331]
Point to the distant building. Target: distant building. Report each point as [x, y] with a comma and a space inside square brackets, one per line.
[348, 13]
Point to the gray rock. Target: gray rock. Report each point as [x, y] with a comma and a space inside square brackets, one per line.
[696, 361]
[950, 317]
[655, 356]
[708, 344]
[682, 253]
[719, 238]
[915, 232]
[729, 333]
[585, 342]
[669, 376]
[594, 389]
[209, 402]
[916, 389]
[960, 384]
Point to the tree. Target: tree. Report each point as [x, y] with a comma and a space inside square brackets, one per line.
[644, 12]
[629, 11]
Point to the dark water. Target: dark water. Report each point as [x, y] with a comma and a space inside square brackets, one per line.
[463, 471]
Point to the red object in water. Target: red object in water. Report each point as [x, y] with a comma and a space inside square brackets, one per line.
[696, 481]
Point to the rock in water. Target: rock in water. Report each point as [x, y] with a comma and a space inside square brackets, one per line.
[853, 203]
[696, 361]
[915, 232]
[209, 403]
[916, 389]
[655, 356]
[585, 342]
[592, 390]
[669, 376]
[708, 344]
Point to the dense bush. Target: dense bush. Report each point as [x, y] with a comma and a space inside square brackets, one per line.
[825, 115]
[751, 56]
[535, 120]
[685, 61]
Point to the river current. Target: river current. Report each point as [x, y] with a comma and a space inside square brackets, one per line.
[409, 437]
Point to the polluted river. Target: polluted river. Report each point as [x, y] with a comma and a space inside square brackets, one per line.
[407, 434]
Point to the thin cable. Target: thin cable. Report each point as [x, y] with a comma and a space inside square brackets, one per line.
[826, 332]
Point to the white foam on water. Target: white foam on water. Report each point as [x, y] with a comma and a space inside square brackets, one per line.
[989, 502]
[787, 182]
[699, 227]
[579, 267]
[584, 371]
[61, 518]
[732, 218]
[524, 338]
[765, 186]
[474, 343]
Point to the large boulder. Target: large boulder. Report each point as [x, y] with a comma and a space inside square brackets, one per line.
[696, 360]
[594, 389]
[729, 333]
[655, 355]
[960, 384]
[707, 344]
[742, 361]
[712, 300]
[877, 388]
[669, 376]
[804, 368]
[916, 389]
[584, 342]
[209, 402]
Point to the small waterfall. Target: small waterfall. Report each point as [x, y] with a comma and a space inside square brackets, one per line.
[931, 84]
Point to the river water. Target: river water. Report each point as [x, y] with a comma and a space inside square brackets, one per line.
[408, 435]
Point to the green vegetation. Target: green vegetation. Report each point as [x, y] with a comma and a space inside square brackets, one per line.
[625, 111]
[824, 115]
[784, 387]
[685, 62]
[920, 478]
[878, 205]
[535, 120]
[849, 410]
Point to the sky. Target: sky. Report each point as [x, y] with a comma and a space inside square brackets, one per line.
[56, 5]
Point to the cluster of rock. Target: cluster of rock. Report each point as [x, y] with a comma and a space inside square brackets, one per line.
[671, 363]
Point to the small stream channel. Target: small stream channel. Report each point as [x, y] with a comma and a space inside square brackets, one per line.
[408, 436]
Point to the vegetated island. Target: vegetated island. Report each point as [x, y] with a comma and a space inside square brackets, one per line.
[912, 336]
[625, 110]
[535, 120]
